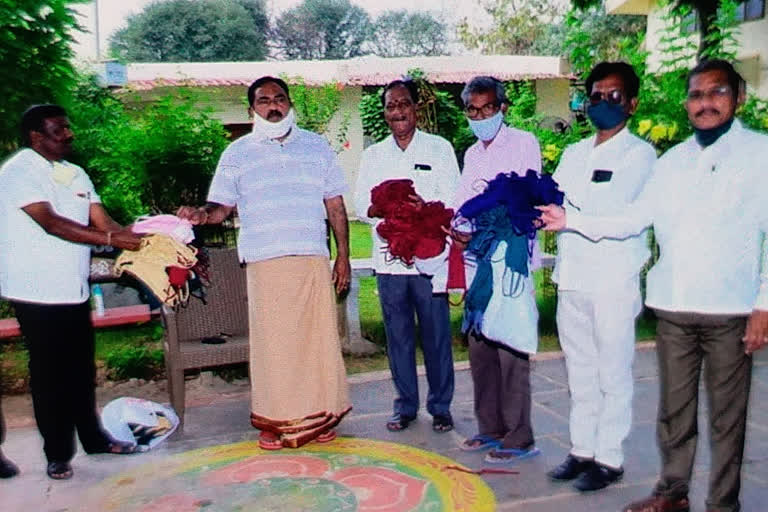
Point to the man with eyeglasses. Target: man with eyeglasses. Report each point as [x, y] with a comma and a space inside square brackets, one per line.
[500, 374]
[284, 182]
[429, 161]
[598, 295]
[706, 201]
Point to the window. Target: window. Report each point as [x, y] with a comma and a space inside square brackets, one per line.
[753, 9]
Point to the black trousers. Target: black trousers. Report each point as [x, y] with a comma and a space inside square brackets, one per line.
[62, 377]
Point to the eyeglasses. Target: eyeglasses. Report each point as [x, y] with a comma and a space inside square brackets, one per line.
[487, 110]
[715, 93]
[615, 97]
[398, 105]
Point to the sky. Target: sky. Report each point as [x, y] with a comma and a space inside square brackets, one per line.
[113, 13]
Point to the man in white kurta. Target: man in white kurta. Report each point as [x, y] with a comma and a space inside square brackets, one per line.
[707, 203]
[598, 282]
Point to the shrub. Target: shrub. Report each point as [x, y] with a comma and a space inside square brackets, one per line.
[125, 362]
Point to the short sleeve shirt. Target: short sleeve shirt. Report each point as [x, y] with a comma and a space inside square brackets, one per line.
[35, 266]
[279, 189]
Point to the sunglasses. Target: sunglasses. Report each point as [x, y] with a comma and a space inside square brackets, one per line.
[615, 97]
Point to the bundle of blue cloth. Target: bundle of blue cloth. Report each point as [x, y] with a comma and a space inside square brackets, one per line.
[506, 211]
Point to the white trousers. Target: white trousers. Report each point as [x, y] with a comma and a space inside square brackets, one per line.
[597, 335]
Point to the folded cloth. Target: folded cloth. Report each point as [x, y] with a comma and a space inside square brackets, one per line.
[151, 262]
[171, 225]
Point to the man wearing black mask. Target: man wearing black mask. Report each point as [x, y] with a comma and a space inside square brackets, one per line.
[598, 281]
[706, 201]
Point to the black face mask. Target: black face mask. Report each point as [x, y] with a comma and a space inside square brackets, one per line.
[708, 137]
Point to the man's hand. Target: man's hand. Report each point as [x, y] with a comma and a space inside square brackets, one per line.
[194, 215]
[416, 201]
[553, 217]
[125, 239]
[341, 275]
[756, 335]
[461, 240]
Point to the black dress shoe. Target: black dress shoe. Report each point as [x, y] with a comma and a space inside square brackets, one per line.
[7, 468]
[570, 468]
[598, 477]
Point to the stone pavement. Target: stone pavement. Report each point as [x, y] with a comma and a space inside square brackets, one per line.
[225, 421]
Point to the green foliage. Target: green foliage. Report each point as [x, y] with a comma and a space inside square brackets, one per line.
[406, 34]
[141, 362]
[754, 114]
[372, 116]
[35, 37]
[522, 115]
[147, 161]
[321, 29]
[519, 27]
[194, 31]
[592, 36]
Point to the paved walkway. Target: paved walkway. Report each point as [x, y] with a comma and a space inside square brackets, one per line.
[225, 422]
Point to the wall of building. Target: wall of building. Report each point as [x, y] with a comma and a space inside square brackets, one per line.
[752, 55]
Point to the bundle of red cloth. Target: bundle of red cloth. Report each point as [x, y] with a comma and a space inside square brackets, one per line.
[411, 229]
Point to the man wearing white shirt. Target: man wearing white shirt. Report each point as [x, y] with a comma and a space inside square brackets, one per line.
[598, 294]
[430, 162]
[50, 212]
[706, 201]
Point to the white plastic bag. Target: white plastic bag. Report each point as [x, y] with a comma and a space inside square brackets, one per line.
[511, 317]
[141, 422]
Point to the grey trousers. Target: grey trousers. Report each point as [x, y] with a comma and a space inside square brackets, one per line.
[684, 342]
[502, 392]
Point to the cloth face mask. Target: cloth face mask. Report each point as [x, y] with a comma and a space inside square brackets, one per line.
[708, 137]
[486, 129]
[274, 130]
[606, 115]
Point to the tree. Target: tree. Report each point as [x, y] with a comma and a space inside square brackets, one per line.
[35, 53]
[194, 31]
[321, 29]
[710, 31]
[404, 34]
[519, 27]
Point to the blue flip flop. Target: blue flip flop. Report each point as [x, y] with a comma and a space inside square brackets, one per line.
[483, 441]
[510, 455]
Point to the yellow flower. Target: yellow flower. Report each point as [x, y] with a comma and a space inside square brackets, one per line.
[643, 126]
[658, 132]
[550, 152]
[672, 131]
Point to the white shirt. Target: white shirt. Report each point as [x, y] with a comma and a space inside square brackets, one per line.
[35, 266]
[709, 210]
[435, 179]
[583, 264]
[279, 190]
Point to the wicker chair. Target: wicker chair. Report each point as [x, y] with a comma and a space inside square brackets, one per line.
[225, 315]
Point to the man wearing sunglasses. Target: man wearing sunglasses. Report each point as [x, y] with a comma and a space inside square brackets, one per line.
[598, 282]
[706, 202]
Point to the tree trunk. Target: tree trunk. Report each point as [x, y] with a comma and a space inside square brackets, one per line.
[707, 11]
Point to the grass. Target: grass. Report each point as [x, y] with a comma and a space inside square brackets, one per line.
[131, 351]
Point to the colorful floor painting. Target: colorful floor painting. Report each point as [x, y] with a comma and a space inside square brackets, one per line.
[348, 474]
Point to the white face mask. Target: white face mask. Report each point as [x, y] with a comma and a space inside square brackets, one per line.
[274, 130]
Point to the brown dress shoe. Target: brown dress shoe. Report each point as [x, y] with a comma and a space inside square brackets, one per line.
[658, 503]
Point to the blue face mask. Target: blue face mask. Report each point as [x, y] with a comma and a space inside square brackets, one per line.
[486, 129]
[606, 115]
